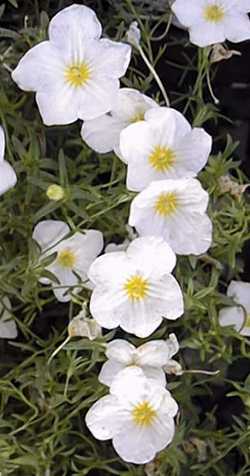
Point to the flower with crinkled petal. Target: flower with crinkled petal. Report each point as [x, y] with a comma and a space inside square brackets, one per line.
[135, 289]
[7, 174]
[74, 255]
[103, 133]
[176, 211]
[164, 146]
[75, 74]
[237, 316]
[8, 328]
[138, 415]
[150, 357]
[214, 21]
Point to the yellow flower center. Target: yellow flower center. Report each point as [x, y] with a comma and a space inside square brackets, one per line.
[77, 74]
[214, 13]
[162, 159]
[66, 258]
[139, 116]
[136, 287]
[143, 414]
[166, 204]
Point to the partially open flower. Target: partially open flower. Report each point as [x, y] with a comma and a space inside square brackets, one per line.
[8, 328]
[135, 289]
[103, 133]
[74, 255]
[138, 415]
[133, 35]
[176, 211]
[150, 357]
[7, 174]
[164, 146]
[235, 315]
[214, 21]
[75, 74]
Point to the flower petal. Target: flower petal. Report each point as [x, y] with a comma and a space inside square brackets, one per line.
[8, 327]
[192, 152]
[109, 371]
[237, 27]
[40, 69]
[111, 58]
[188, 16]
[8, 177]
[152, 255]
[232, 316]
[104, 419]
[121, 351]
[70, 28]
[103, 133]
[2, 144]
[58, 107]
[240, 291]
[49, 232]
[204, 34]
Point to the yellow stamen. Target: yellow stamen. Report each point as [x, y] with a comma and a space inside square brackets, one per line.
[66, 258]
[143, 414]
[136, 287]
[166, 204]
[77, 74]
[162, 159]
[214, 13]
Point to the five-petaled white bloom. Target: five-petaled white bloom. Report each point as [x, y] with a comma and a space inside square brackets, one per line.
[176, 211]
[237, 316]
[8, 328]
[164, 146]
[75, 74]
[214, 21]
[151, 357]
[134, 289]
[138, 415]
[74, 255]
[103, 133]
[7, 174]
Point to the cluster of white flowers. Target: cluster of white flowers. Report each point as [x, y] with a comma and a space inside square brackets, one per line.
[75, 75]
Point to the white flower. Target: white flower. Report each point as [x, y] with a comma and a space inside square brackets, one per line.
[7, 174]
[103, 133]
[74, 254]
[134, 289]
[150, 357]
[112, 247]
[214, 21]
[138, 415]
[235, 315]
[75, 74]
[176, 211]
[164, 146]
[8, 328]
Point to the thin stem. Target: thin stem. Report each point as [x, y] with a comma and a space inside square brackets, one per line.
[155, 75]
[58, 349]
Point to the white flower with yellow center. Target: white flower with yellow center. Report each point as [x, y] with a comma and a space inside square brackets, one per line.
[7, 174]
[75, 74]
[103, 133]
[176, 211]
[150, 357]
[214, 21]
[164, 146]
[74, 255]
[134, 289]
[8, 328]
[138, 415]
[237, 316]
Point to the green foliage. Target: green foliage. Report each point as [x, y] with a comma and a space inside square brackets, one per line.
[42, 429]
